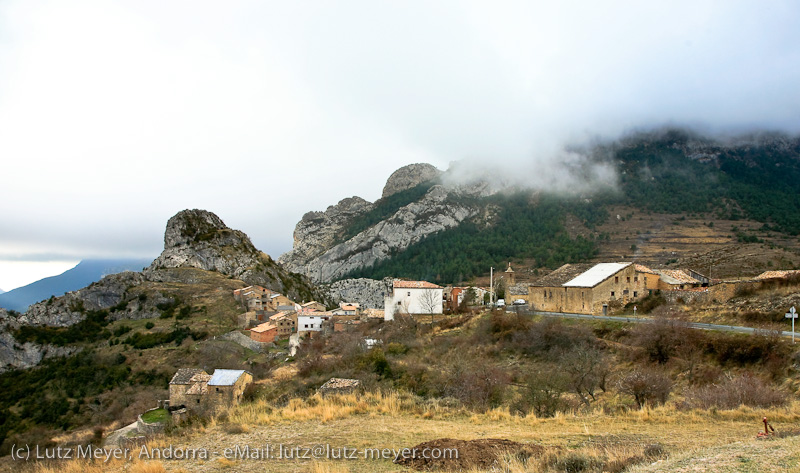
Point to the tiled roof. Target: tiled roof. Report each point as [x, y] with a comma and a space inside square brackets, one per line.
[311, 303]
[561, 275]
[676, 276]
[198, 389]
[278, 316]
[349, 307]
[643, 269]
[415, 285]
[265, 327]
[225, 377]
[519, 289]
[184, 375]
[777, 274]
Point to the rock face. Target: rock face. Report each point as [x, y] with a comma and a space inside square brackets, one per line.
[69, 309]
[370, 293]
[410, 224]
[318, 231]
[14, 355]
[409, 176]
[200, 239]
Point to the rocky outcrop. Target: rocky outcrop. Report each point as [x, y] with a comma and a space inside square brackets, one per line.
[409, 176]
[200, 239]
[370, 293]
[318, 231]
[104, 294]
[14, 355]
[433, 213]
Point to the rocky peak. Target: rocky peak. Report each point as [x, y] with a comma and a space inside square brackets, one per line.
[196, 227]
[409, 176]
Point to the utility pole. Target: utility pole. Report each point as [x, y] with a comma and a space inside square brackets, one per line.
[491, 285]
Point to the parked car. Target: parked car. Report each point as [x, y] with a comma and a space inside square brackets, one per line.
[500, 303]
[520, 302]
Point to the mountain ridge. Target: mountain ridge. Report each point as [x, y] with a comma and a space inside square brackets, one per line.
[77, 277]
[750, 178]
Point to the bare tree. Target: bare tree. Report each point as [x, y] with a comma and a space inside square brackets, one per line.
[430, 300]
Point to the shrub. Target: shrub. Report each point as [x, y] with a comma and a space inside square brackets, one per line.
[647, 386]
[735, 391]
[149, 325]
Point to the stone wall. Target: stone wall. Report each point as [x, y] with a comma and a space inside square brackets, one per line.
[148, 429]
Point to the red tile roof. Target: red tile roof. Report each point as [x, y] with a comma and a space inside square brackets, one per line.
[415, 285]
[265, 327]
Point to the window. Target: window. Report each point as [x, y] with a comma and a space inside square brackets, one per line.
[217, 389]
[628, 279]
[409, 293]
[198, 401]
[625, 292]
[616, 279]
[636, 279]
[635, 294]
[612, 293]
[645, 279]
[306, 326]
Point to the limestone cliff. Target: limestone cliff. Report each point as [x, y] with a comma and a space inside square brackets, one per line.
[436, 211]
[318, 231]
[370, 293]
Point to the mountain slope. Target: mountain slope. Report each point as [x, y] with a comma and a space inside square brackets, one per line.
[753, 179]
[85, 273]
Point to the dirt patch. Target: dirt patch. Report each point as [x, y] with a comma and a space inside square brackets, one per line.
[481, 454]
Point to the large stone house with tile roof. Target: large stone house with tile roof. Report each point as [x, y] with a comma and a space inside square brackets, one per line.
[588, 288]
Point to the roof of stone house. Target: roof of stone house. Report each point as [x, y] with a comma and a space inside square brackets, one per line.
[311, 303]
[561, 275]
[676, 276]
[520, 289]
[777, 274]
[349, 307]
[185, 375]
[415, 285]
[640, 268]
[596, 274]
[340, 383]
[225, 377]
[198, 389]
[278, 316]
[265, 327]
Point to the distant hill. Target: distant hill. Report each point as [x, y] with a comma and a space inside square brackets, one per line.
[2, 291]
[85, 273]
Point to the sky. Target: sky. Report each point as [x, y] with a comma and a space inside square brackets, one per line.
[114, 116]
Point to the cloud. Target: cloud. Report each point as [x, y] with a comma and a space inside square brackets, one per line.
[114, 116]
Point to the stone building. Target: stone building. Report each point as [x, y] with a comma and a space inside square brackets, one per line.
[197, 390]
[588, 289]
[285, 322]
[264, 333]
[182, 384]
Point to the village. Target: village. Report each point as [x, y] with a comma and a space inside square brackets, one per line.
[598, 289]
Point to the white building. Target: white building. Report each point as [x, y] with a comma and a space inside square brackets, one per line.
[413, 297]
[310, 323]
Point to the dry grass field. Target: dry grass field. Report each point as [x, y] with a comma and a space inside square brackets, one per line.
[650, 440]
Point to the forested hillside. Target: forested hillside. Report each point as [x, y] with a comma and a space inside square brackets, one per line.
[671, 172]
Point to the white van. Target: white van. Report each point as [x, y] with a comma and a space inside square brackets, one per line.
[500, 303]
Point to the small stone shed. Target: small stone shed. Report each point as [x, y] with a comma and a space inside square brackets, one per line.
[339, 386]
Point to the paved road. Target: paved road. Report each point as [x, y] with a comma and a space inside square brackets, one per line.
[722, 328]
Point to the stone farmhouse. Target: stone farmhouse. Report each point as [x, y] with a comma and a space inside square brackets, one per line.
[413, 297]
[198, 391]
[264, 333]
[589, 289]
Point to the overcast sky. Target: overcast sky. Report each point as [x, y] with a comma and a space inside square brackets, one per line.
[114, 116]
